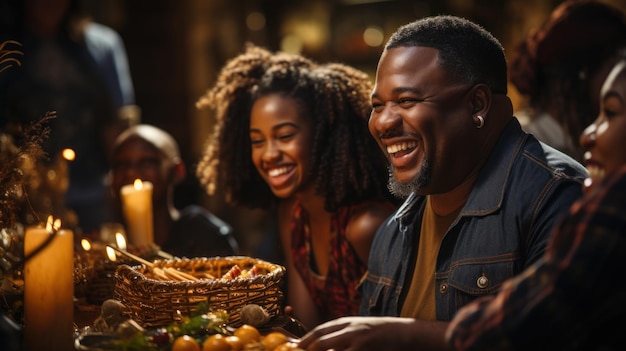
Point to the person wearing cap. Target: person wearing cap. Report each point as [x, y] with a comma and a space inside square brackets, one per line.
[559, 69]
[151, 154]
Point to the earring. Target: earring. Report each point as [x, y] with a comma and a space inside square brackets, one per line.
[480, 121]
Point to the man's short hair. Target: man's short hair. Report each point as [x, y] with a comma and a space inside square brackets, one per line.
[467, 51]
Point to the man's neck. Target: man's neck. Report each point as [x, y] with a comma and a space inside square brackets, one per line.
[446, 203]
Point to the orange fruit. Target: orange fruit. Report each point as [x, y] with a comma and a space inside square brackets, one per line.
[288, 346]
[216, 342]
[235, 343]
[185, 343]
[273, 339]
[247, 334]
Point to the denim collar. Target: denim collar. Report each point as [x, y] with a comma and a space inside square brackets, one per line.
[488, 192]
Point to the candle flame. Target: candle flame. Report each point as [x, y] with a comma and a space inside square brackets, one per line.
[120, 240]
[85, 244]
[138, 184]
[49, 223]
[57, 224]
[53, 224]
[111, 254]
[68, 154]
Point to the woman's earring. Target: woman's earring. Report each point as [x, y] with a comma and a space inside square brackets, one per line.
[480, 121]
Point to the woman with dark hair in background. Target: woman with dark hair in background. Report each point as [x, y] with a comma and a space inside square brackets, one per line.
[560, 68]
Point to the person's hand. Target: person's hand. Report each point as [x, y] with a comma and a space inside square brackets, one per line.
[361, 334]
[288, 311]
[293, 325]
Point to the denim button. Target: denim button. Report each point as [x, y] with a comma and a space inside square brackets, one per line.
[443, 288]
[482, 281]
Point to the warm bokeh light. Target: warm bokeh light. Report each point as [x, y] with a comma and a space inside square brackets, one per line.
[85, 244]
[138, 184]
[57, 224]
[120, 240]
[69, 154]
[49, 222]
[255, 21]
[53, 224]
[111, 254]
[373, 36]
[291, 44]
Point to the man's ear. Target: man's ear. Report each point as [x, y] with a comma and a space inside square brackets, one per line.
[481, 99]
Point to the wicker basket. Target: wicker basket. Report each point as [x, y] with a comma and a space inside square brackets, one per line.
[100, 287]
[157, 303]
[94, 275]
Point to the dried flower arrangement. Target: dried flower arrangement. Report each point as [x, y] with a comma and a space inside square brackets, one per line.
[13, 155]
[6, 60]
[15, 152]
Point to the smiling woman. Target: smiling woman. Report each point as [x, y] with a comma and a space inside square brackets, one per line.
[605, 138]
[282, 143]
[307, 151]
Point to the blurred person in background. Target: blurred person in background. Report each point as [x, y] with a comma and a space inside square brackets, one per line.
[560, 67]
[79, 69]
[292, 134]
[149, 153]
[573, 298]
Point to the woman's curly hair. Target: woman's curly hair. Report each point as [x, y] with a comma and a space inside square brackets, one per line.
[347, 166]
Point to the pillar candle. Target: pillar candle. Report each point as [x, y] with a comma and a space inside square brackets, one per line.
[137, 207]
[49, 290]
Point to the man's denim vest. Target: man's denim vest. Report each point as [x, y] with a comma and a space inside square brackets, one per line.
[523, 189]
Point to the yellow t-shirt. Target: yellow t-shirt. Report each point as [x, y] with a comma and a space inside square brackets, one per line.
[420, 299]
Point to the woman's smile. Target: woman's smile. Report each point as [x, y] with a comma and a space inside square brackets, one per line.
[280, 176]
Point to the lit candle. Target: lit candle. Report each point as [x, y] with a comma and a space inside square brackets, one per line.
[49, 289]
[137, 207]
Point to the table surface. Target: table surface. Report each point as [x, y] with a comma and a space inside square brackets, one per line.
[85, 314]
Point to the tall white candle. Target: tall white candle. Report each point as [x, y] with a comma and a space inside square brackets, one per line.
[137, 207]
[49, 290]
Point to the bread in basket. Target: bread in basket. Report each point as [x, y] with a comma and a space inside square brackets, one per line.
[153, 301]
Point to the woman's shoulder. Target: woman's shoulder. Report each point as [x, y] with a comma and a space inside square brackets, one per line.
[372, 208]
[365, 218]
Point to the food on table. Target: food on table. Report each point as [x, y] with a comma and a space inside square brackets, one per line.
[204, 331]
[232, 273]
[288, 346]
[254, 315]
[274, 339]
[111, 316]
[173, 274]
[235, 343]
[185, 343]
[216, 342]
[247, 334]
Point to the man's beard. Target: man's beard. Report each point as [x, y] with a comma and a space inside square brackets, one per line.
[403, 190]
